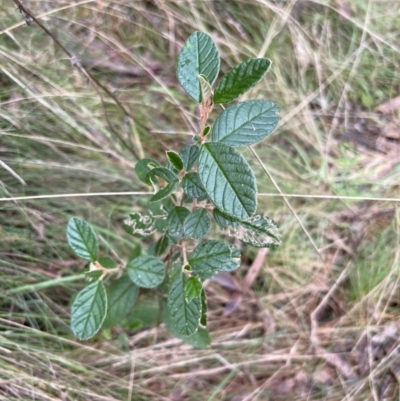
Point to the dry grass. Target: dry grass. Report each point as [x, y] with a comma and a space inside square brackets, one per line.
[316, 319]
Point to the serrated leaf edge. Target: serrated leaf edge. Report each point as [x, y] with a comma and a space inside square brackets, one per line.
[101, 286]
[84, 223]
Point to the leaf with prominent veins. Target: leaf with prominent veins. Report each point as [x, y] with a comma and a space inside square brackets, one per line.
[240, 79]
[199, 56]
[228, 180]
[185, 316]
[246, 123]
[82, 239]
[89, 311]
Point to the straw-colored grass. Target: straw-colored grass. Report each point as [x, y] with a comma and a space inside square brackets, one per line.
[317, 318]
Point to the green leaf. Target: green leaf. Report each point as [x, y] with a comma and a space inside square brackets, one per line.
[187, 199]
[258, 231]
[175, 271]
[161, 245]
[205, 88]
[167, 205]
[196, 140]
[172, 240]
[193, 289]
[82, 239]
[89, 311]
[145, 313]
[139, 226]
[234, 263]
[185, 316]
[240, 79]
[94, 274]
[189, 155]
[246, 123]
[228, 180]
[142, 167]
[223, 220]
[169, 166]
[163, 173]
[146, 271]
[175, 160]
[107, 262]
[122, 295]
[206, 130]
[164, 192]
[175, 220]
[200, 339]
[167, 175]
[203, 319]
[199, 56]
[192, 185]
[197, 224]
[209, 257]
[157, 209]
[136, 251]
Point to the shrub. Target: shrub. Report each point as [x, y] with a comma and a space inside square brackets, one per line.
[209, 177]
